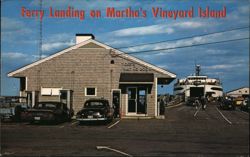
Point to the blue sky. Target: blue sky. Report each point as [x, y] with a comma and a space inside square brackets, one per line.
[227, 61]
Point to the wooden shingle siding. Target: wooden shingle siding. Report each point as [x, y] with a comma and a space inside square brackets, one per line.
[91, 45]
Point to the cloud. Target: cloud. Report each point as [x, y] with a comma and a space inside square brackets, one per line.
[56, 45]
[240, 15]
[14, 55]
[222, 66]
[36, 57]
[191, 41]
[169, 45]
[13, 29]
[244, 9]
[214, 51]
[145, 30]
[158, 29]
[116, 43]
[189, 24]
[57, 41]
[59, 37]
[19, 56]
[10, 25]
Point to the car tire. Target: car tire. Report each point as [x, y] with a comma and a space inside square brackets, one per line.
[69, 119]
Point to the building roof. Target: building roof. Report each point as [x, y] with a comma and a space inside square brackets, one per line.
[237, 89]
[115, 51]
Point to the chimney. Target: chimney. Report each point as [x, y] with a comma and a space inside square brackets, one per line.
[83, 37]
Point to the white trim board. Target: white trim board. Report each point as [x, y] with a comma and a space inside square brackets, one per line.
[118, 53]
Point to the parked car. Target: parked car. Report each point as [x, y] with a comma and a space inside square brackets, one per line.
[11, 108]
[238, 101]
[191, 101]
[245, 106]
[49, 112]
[96, 110]
[7, 112]
[20, 111]
[226, 104]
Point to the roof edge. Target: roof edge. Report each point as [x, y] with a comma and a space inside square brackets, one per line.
[12, 73]
[154, 67]
[237, 89]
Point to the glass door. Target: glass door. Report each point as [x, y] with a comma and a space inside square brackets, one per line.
[132, 99]
[142, 101]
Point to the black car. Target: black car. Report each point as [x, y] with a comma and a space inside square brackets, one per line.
[11, 108]
[191, 101]
[96, 110]
[226, 104]
[245, 106]
[49, 112]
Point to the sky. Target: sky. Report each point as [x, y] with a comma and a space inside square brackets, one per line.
[227, 61]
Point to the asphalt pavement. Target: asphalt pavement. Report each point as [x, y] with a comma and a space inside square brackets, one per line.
[183, 132]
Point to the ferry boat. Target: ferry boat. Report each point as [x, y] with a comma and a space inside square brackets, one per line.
[198, 86]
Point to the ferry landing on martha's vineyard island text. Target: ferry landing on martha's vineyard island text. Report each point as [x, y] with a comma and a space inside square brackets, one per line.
[111, 12]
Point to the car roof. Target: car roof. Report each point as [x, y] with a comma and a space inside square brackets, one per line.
[97, 99]
[50, 102]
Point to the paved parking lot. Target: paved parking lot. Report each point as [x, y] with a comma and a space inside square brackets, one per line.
[184, 132]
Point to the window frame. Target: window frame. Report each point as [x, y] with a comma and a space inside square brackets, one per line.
[86, 94]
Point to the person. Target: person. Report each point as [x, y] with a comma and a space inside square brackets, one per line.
[162, 107]
[197, 102]
[203, 102]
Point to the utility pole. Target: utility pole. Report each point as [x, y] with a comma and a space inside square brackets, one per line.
[40, 47]
[40, 33]
[1, 52]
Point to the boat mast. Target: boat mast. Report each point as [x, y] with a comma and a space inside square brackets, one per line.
[197, 70]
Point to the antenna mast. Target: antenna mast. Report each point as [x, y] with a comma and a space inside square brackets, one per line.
[40, 33]
[197, 70]
[40, 46]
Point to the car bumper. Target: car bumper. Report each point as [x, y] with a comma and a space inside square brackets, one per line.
[41, 119]
[91, 119]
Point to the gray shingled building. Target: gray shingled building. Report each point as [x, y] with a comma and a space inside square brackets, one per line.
[91, 69]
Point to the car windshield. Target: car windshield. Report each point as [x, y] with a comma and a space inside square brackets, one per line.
[47, 106]
[94, 104]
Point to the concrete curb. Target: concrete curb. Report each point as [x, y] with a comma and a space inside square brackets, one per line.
[172, 106]
[137, 117]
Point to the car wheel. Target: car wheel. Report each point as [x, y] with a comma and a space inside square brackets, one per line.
[57, 120]
[69, 119]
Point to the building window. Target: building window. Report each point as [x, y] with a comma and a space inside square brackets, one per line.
[112, 62]
[89, 91]
[215, 88]
[178, 88]
[50, 91]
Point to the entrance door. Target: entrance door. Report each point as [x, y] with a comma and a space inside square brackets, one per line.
[32, 98]
[142, 101]
[132, 99]
[137, 100]
[116, 102]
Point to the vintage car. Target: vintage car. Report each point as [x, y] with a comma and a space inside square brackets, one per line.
[245, 106]
[226, 104]
[96, 110]
[49, 112]
[11, 108]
